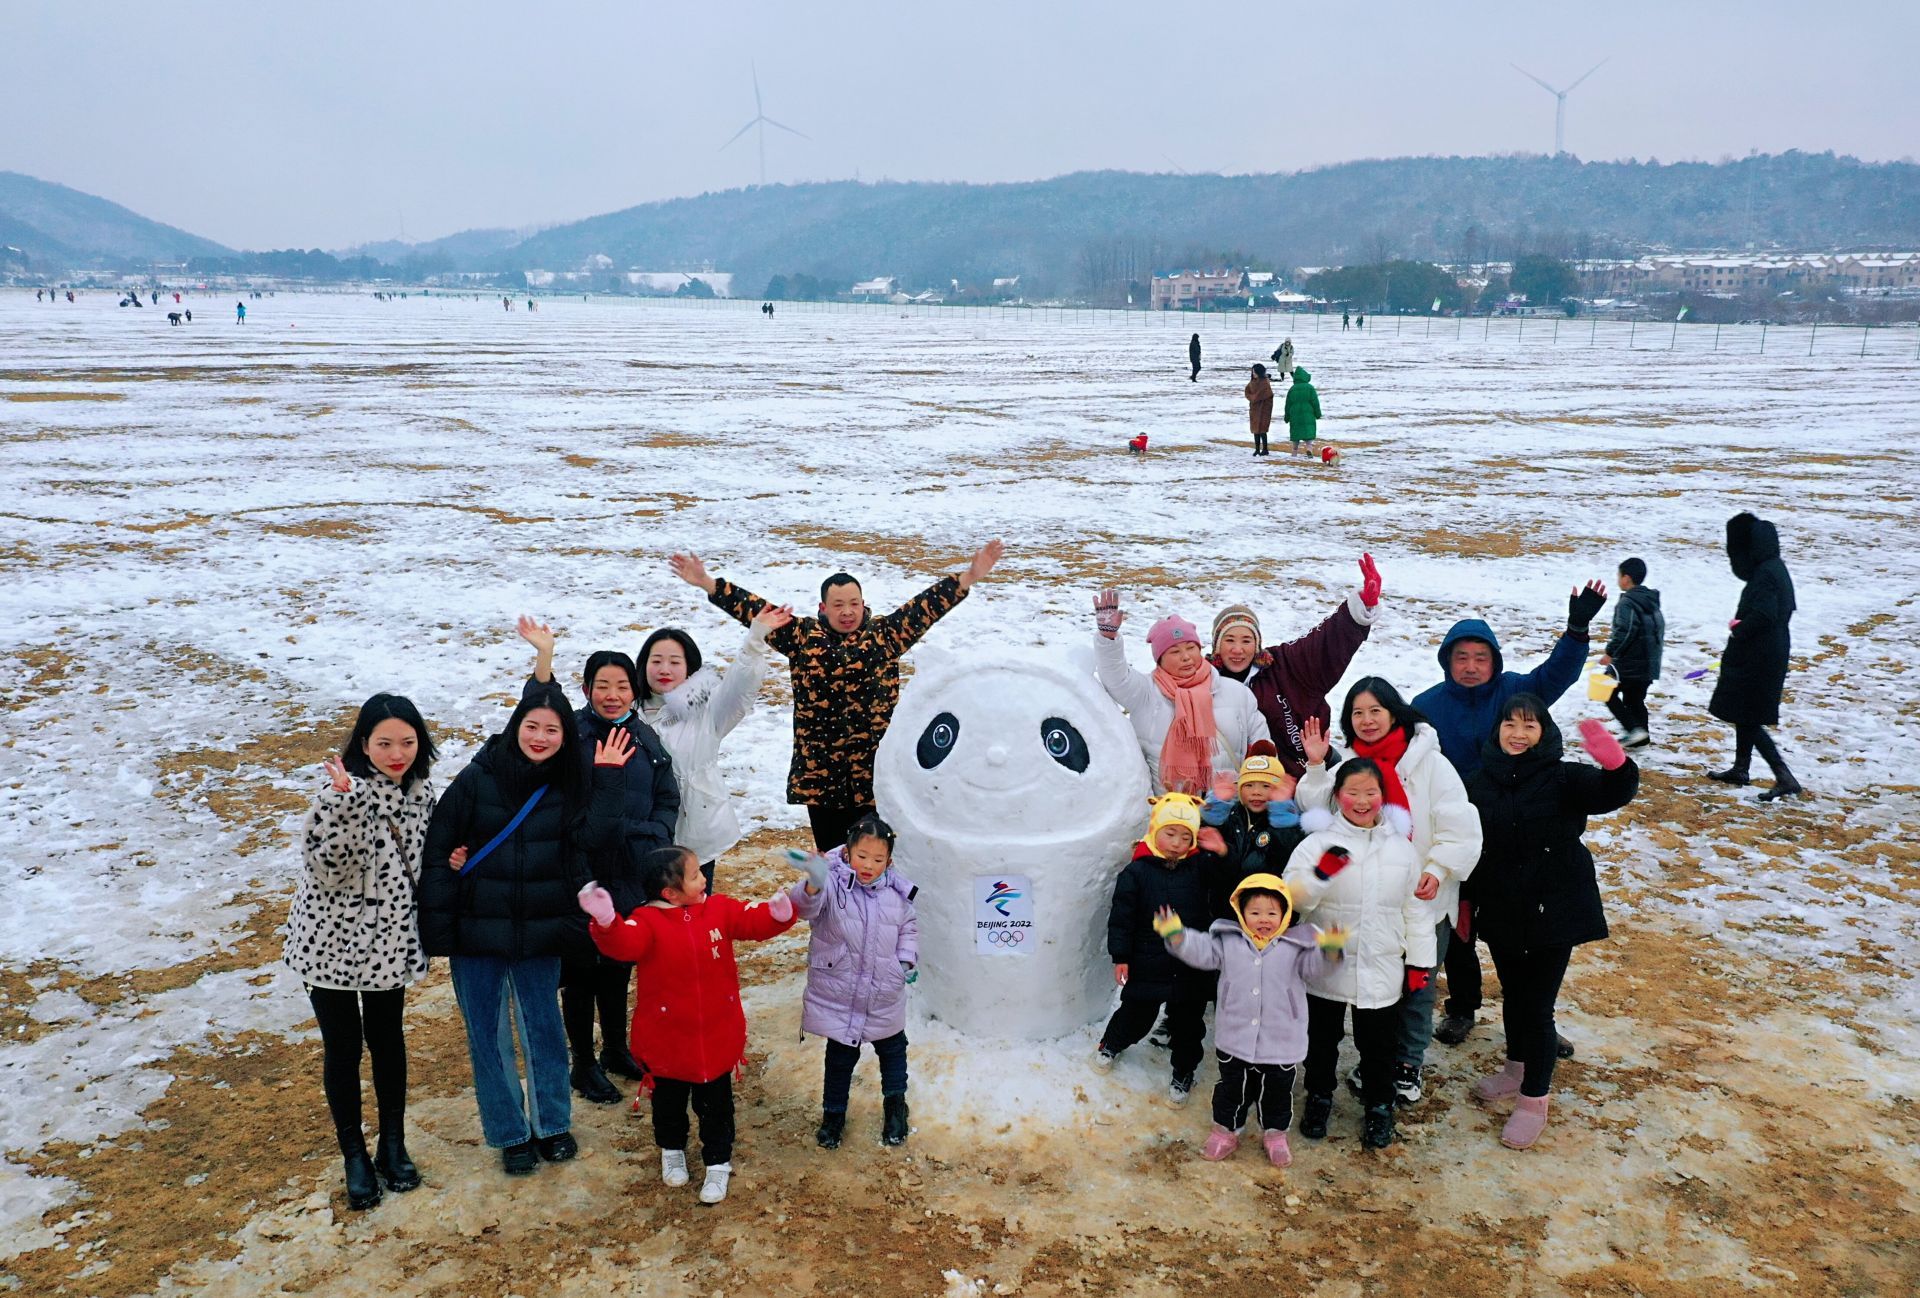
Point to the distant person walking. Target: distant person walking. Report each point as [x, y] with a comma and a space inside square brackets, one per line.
[1346, 321]
[1753, 668]
[1283, 358]
[1259, 407]
[239, 312]
[1360, 320]
[1193, 354]
[1303, 414]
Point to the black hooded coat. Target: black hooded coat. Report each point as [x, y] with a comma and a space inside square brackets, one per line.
[1535, 885]
[1753, 669]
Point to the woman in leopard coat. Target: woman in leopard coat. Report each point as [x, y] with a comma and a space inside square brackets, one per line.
[353, 933]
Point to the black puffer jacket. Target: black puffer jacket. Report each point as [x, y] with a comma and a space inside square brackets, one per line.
[1254, 846]
[1753, 670]
[519, 902]
[1535, 885]
[649, 799]
[1144, 886]
[1639, 635]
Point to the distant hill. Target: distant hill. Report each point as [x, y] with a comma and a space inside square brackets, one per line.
[59, 227]
[466, 248]
[1080, 232]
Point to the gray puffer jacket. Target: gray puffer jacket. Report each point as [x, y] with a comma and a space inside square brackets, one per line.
[1262, 1012]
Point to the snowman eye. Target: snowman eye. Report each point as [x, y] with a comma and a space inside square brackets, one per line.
[937, 740]
[1064, 744]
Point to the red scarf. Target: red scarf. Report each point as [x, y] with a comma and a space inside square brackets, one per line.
[1386, 753]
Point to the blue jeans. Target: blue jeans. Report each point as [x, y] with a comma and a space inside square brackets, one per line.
[494, 992]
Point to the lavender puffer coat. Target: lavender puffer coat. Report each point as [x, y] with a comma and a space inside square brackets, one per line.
[862, 933]
[1262, 1012]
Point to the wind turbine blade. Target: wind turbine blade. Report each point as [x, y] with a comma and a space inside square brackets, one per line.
[758, 110]
[737, 134]
[1589, 72]
[1536, 80]
[788, 129]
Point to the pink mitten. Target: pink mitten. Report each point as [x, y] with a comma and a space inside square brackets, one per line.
[598, 903]
[1601, 744]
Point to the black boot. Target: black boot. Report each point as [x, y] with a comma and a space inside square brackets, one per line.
[391, 1162]
[1313, 1119]
[893, 1128]
[520, 1159]
[363, 1187]
[1378, 1131]
[592, 1084]
[832, 1127]
[1453, 1029]
[1732, 775]
[1562, 1048]
[615, 1059]
[1784, 786]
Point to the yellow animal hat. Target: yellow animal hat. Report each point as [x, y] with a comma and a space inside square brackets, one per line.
[1262, 767]
[1172, 809]
[1272, 883]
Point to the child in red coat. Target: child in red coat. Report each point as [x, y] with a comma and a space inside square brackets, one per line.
[688, 1028]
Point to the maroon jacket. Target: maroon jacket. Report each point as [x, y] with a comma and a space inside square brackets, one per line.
[1290, 681]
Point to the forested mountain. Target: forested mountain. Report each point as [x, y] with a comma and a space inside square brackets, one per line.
[58, 226]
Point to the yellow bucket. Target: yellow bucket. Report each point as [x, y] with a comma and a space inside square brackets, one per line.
[1601, 684]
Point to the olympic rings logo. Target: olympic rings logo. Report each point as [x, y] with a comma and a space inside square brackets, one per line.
[1007, 936]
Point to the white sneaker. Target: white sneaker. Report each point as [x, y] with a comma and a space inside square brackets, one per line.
[1103, 1060]
[716, 1187]
[673, 1166]
[1635, 738]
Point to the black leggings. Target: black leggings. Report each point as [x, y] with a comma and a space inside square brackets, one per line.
[1375, 1032]
[585, 987]
[346, 1019]
[1746, 738]
[712, 1104]
[1529, 985]
[830, 824]
[837, 1079]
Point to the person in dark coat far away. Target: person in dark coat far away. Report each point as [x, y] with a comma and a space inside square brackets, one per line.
[1193, 354]
[1753, 669]
[1259, 407]
[1634, 651]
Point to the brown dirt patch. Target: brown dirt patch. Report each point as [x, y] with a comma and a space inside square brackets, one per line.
[66, 396]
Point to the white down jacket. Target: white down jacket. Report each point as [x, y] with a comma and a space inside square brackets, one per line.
[1387, 926]
[1446, 826]
[1236, 713]
[691, 721]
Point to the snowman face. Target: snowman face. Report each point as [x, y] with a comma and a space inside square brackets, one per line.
[1025, 748]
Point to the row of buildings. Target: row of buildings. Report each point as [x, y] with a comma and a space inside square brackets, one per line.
[1740, 275]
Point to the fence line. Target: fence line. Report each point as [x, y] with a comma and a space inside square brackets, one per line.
[1856, 341]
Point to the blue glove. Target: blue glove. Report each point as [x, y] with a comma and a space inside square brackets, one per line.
[1283, 815]
[912, 973]
[1216, 811]
[813, 866]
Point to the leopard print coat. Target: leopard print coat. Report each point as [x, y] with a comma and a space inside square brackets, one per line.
[354, 924]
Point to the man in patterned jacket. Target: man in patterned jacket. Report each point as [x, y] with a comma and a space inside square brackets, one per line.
[846, 679]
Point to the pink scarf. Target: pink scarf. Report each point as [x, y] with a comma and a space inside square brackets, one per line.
[1186, 754]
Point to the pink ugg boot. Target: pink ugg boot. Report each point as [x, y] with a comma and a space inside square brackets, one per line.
[1277, 1152]
[1502, 1085]
[1220, 1143]
[1528, 1121]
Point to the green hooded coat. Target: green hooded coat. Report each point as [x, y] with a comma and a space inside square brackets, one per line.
[1303, 407]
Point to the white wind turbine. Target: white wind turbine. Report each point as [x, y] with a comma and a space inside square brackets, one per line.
[761, 120]
[1560, 102]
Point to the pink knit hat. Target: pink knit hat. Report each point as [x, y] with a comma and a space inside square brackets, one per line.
[1168, 632]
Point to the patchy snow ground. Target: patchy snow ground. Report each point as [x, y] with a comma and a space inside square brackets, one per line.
[218, 539]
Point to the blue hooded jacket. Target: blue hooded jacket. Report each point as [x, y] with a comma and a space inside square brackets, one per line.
[1464, 716]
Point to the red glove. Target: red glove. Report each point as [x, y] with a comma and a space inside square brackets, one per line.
[1418, 979]
[1331, 862]
[1603, 747]
[1369, 581]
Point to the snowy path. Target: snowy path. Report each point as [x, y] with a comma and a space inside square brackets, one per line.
[218, 539]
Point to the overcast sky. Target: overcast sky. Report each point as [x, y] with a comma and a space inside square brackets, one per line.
[327, 124]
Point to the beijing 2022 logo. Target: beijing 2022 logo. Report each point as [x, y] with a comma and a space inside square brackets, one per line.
[1003, 914]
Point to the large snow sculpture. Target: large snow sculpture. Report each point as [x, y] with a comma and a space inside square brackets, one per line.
[1017, 790]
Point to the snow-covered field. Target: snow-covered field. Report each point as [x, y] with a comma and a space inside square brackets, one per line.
[218, 539]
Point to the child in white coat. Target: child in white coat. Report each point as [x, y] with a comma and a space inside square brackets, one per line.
[1359, 871]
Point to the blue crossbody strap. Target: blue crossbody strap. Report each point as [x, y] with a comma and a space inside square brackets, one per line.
[506, 833]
